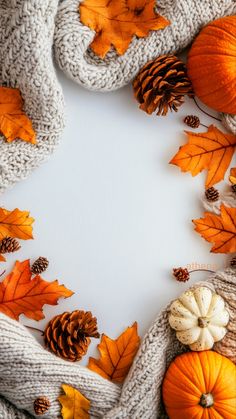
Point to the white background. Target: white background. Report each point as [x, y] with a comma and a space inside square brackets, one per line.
[112, 216]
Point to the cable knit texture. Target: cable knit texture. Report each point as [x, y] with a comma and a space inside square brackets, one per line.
[26, 36]
[28, 371]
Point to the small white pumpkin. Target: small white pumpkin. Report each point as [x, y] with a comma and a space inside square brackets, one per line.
[199, 318]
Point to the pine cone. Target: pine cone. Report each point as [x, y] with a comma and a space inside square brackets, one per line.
[68, 334]
[39, 266]
[233, 262]
[9, 245]
[161, 85]
[212, 194]
[192, 121]
[41, 405]
[181, 274]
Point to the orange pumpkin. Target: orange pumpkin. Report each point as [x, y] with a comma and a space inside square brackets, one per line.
[212, 65]
[200, 385]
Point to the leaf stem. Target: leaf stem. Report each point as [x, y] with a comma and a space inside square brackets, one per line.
[206, 113]
[3, 273]
[203, 125]
[202, 270]
[35, 328]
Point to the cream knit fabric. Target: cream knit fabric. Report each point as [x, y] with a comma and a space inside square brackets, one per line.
[27, 371]
[26, 35]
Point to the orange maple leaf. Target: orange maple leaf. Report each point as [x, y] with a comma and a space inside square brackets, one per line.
[15, 223]
[22, 294]
[117, 21]
[211, 150]
[116, 356]
[14, 124]
[2, 258]
[74, 404]
[219, 229]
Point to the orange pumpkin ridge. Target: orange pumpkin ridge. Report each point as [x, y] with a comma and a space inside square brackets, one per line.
[200, 385]
[211, 65]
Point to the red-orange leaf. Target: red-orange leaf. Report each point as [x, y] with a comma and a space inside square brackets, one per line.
[22, 294]
[2, 258]
[219, 229]
[14, 123]
[116, 356]
[15, 223]
[211, 150]
[117, 21]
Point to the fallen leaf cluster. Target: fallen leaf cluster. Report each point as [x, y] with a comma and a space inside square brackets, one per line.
[212, 151]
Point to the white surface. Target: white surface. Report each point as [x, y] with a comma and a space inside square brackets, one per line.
[112, 216]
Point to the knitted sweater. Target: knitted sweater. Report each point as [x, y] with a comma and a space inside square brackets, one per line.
[27, 371]
[26, 36]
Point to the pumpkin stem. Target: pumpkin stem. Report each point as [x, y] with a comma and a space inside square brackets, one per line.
[202, 322]
[206, 400]
[206, 113]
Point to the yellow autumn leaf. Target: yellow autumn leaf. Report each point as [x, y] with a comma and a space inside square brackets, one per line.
[74, 404]
[116, 356]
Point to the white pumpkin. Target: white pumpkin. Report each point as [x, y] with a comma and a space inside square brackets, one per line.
[199, 318]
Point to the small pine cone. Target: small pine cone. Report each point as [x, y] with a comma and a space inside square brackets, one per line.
[212, 194]
[9, 245]
[192, 121]
[68, 334]
[39, 266]
[161, 85]
[233, 262]
[181, 274]
[41, 405]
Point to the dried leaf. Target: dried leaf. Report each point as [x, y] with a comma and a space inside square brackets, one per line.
[22, 294]
[2, 258]
[116, 356]
[74, 404]
[117, 21]
[15, 223]
[14, 124]
[232, 176]
[212, 150]
[219, 229]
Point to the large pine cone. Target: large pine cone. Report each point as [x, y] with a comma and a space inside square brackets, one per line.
[68, 334]
[161, 85]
